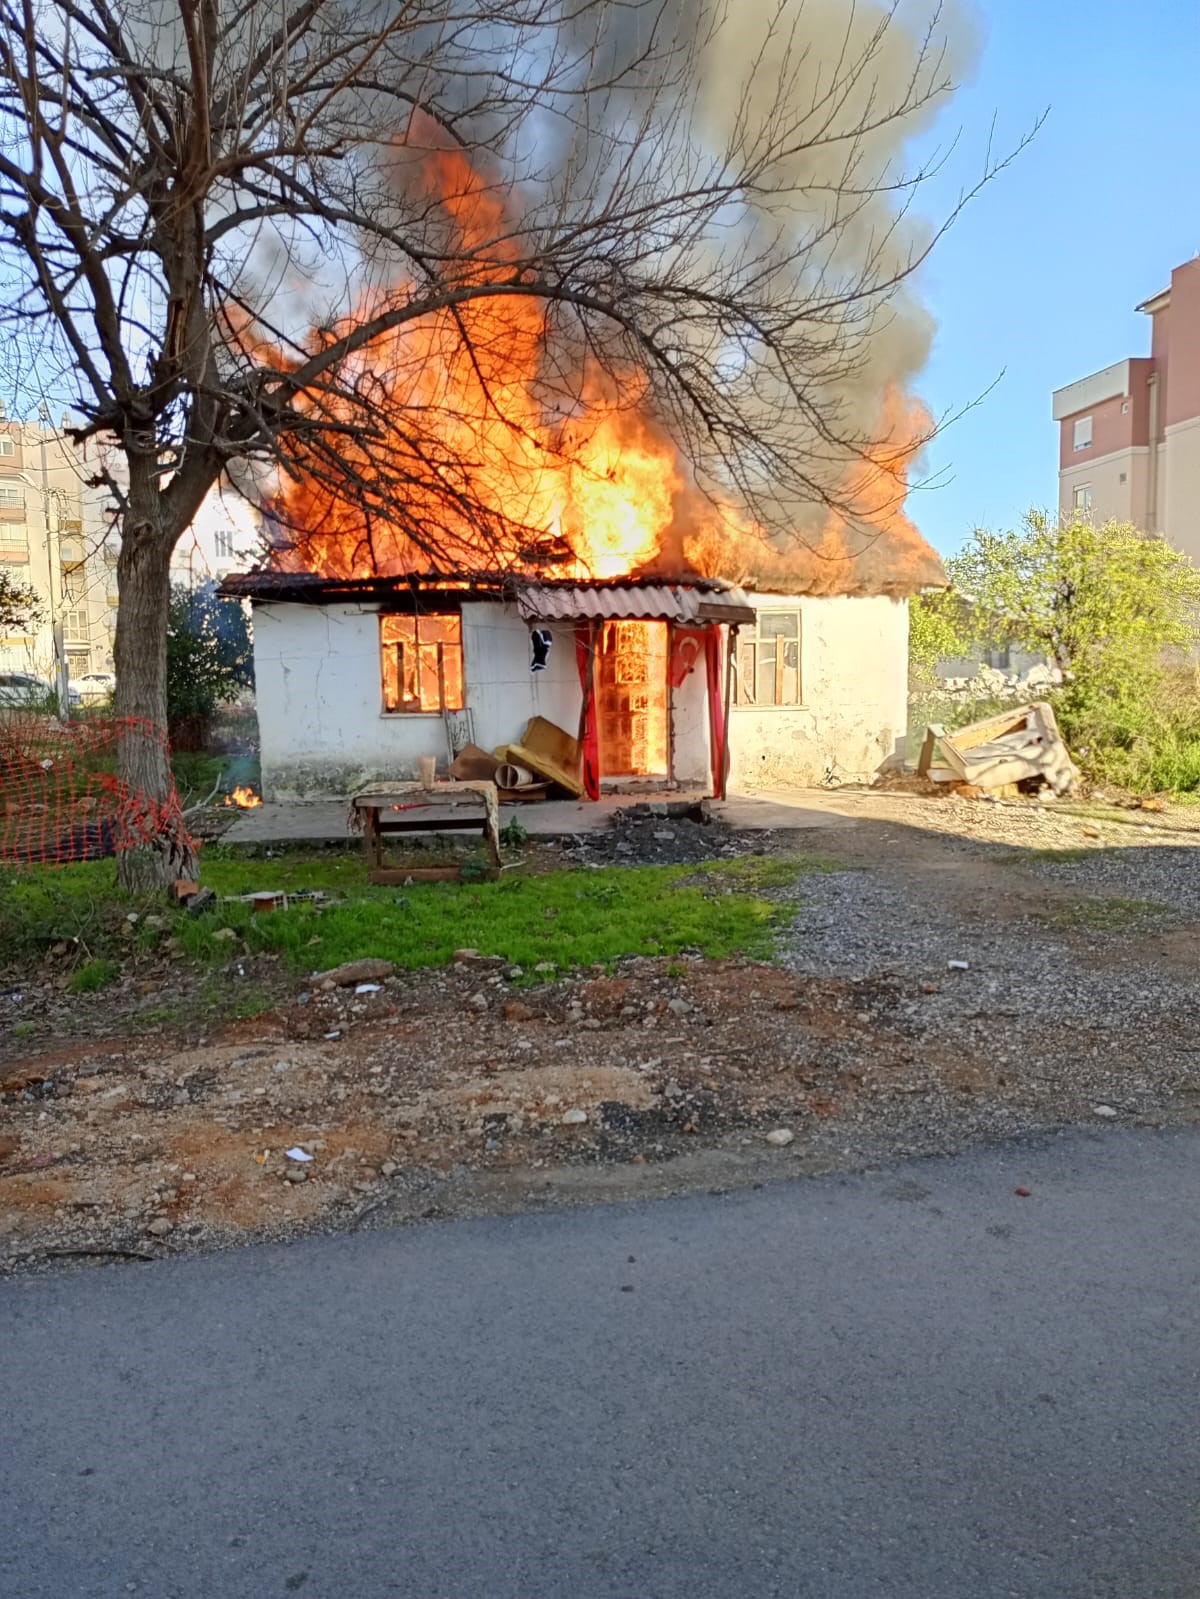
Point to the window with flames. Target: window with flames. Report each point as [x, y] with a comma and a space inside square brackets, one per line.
[767, 668]
[422, 663]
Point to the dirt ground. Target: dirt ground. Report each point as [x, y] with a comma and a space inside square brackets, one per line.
[967, 971]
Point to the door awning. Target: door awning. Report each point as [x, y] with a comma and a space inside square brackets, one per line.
[686, 604]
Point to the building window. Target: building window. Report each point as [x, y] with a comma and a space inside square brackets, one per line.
[1083, 433]
[1124, 407]
[1121, 478]
[768, 660]
[422, 663]
[12, 497]
[14, 543]
[1083, 497]
[223, 543]
[7, 448]
[75, 626]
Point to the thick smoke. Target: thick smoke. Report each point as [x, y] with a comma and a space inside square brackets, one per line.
[853, 86]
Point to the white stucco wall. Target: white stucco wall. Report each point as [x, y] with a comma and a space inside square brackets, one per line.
[324, 730]
[854, 684]
[320, 704]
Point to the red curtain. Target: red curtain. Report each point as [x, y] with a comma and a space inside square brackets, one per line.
[584, 653]
[717, 732]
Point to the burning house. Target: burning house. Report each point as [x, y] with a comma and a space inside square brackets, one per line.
[520, 537]
[691, 683]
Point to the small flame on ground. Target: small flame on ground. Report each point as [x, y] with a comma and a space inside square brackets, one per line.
[244, 798]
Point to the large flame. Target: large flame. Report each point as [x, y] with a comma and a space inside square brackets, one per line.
[508, 456]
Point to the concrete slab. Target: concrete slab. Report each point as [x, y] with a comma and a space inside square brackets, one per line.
[326, 821]
[784, 808]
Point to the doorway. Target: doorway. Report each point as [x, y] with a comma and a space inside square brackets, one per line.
[631, 700]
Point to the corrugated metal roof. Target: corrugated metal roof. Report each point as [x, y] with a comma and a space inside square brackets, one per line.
[667, 602]
[689, 602]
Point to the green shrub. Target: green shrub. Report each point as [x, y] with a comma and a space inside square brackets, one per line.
[93, 975]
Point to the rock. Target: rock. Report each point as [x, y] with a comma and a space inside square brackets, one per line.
[466, 954]
[515, 1011]
[355, 972]
[296, 1174]
[159, 1227]
[225, 933]
[1107, 1111]
[780, 1136]
[389, 1168]
[478, 1002]
[514, 973]
[283, 1065]
[679, 1007]
[574, 1118]
[188, 1177]
[543, 967]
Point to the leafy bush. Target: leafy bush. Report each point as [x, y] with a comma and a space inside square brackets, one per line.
[1115, 609]
[209, 660]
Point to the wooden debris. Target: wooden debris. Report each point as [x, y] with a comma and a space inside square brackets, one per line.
[1018, 746]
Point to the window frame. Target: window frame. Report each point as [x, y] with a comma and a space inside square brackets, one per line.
[223, 545]
[17, 500]
[1086, 503]
[1077, 441]
[447, 700]
[750, 638]
[8, 448]
[77, 623]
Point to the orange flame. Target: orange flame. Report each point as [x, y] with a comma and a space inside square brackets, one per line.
[244, 798]
[516, 460]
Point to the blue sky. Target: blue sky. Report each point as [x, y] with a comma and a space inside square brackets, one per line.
[1038, 279]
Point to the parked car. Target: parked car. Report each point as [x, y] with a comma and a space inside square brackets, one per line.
[31, 693]
[23, 689]
[95, 685]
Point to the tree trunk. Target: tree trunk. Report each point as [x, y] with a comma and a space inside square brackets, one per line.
[140, 651]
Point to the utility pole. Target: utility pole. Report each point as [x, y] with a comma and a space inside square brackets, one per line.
[55, 566]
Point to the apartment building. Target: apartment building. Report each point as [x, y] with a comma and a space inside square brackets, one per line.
[226, 536]
[55, 537]
[1129, 435]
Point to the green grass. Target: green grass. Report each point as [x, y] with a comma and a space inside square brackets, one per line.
[93, 975]
[573, 918]
[22, 1030]
[765, 872]
[1066, 856]
[1102, 915]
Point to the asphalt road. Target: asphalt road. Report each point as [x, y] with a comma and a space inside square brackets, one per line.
[912, 1383]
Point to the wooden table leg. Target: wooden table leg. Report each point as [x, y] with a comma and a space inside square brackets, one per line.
[491, 830]
[373, 840]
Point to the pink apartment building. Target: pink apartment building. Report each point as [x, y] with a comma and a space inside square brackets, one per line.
[1129, 436]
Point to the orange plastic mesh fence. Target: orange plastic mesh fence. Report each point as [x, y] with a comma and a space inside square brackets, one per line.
[61, 799]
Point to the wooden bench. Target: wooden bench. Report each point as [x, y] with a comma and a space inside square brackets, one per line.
[386, 809]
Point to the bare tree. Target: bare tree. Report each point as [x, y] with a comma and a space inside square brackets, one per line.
[247, 239]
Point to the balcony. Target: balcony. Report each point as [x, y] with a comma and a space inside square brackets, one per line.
[14, 550]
